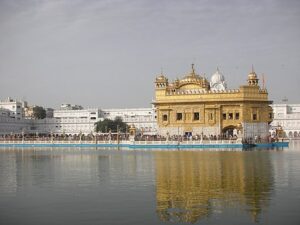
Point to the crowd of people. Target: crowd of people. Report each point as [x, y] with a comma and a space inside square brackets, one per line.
[125, 136]
[110, 136]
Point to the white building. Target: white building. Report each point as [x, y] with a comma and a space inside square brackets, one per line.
[72, 119]
[142, 118]
[288, 117]
[75, 121]
[12, 107]
[46, 126]
[10, 125]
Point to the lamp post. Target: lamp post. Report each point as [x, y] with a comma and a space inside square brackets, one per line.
[240, 132]
[118, 141]
[23, 135]
[109, 135]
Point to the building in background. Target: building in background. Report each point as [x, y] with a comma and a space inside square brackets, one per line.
[13, 108]
[67, 106]
[286, 116]
[143, 119]
[49, 112]
[28, 112]
[10, 125]
[71, 119]
[75, 119]
[11, 117]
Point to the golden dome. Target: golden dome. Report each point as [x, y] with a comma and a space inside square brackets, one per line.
[191, 81]
[161, 78]
[192, 77]
[252, 75]
[252, 78]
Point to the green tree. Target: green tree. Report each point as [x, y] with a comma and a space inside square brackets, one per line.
[39, 112]
[111, 125]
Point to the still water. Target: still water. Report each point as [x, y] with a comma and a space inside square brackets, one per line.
[89, 186]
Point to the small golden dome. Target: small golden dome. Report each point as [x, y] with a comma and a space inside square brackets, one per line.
[252, 75]
[161, 78]
[192, 76]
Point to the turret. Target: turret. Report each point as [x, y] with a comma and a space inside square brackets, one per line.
[161, 82]
[252, 78]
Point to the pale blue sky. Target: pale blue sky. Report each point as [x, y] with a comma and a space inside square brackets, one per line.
[108, 53]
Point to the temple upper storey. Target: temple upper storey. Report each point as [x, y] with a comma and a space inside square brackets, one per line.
[194, 85]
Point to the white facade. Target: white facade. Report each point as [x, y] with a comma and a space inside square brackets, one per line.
[46, 126]
[142, 118]
[12, 107]
[72, 119]
[288, 117]
[10, 125]
[251, 130]
[75, 121]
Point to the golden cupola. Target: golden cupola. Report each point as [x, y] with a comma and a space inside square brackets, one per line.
[161, 81]
[252, 78]
[192, 81]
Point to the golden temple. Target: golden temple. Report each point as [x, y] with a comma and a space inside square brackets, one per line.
[195, 106]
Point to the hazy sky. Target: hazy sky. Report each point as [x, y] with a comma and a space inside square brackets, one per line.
[107, 53]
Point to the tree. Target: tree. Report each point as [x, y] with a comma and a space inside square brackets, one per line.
[111, 125]
[39, 112]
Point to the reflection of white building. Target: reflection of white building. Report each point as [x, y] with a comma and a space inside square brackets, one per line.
[288, 117]
[142, 118]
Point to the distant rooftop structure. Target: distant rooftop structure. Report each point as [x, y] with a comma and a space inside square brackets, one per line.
[12, 108]
[285, 99]
[287, 116]
[67, 106]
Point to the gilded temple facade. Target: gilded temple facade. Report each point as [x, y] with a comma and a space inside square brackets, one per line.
[195, 106]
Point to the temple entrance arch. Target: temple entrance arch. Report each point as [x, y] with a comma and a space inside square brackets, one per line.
[295, 134]
[229, 131]
[284, 134]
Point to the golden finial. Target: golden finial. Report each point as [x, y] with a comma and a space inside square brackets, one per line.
[252, 69]
[161, 71]
[263, 81]
[193, 69]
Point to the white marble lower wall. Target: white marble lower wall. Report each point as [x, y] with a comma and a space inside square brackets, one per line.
[255, 129]
[211, 130]
[14, 126]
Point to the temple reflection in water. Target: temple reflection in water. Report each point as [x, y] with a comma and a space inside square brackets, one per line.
[192, 185]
